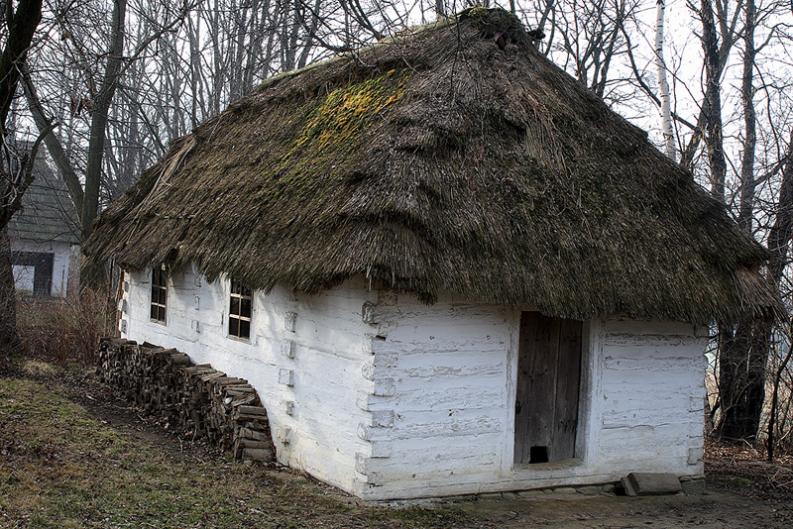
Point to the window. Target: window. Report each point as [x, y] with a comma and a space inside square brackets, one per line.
[159, 292]
[33, 272]
[240, 308]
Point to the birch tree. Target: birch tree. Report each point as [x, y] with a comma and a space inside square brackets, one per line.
[663, 83]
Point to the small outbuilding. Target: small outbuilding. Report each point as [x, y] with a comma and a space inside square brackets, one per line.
[44, 236]
[445, 265]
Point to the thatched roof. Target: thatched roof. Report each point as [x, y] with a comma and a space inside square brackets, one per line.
[452, 159]
[48, 213]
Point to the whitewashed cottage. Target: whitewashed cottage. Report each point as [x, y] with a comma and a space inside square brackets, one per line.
[44, 237]
[446, 267]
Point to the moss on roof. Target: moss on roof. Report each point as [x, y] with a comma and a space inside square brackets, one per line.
[453, 159]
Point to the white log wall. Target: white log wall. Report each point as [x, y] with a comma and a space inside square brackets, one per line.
[386, 397]
[450, 373]
[304, 358]
[63, 259]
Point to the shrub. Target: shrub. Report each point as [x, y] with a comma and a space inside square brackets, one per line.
[66, 330]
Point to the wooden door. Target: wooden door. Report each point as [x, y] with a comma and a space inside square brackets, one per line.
[548, 388]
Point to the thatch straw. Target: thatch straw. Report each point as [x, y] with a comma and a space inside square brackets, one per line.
[454, 159]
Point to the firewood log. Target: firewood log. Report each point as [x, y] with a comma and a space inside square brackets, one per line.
[223, 409]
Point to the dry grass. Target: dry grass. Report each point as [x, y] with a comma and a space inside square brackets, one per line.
[744, 467]
[65, 330]
[63, 467]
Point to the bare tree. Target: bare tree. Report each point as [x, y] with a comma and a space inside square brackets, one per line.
[102, 89]
[99, 117]
[744, 350]
[663, 84]
[16, 168]
[713, 125]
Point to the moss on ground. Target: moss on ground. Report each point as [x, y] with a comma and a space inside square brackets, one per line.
[61, 467]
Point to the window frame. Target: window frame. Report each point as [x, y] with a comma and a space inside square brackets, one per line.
[239, 293]
[159, 281]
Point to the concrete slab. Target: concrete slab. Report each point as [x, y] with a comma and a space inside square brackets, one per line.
[650, 484]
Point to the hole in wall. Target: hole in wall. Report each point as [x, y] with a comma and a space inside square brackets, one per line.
[538, 454]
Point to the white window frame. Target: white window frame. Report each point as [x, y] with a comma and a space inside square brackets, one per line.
[164, 289]
[240, 296]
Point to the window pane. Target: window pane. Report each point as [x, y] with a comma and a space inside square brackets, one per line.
[162, 314]
[235, 306]
[245, 329]
[235, 287]
[163, 295]
[154, 312]
[158, 277]
[155, 293]
[245, 309]
[234, 327]
[245, 291]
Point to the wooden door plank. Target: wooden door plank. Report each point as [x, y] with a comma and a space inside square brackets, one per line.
[548, 387]
[542, 382]
[528, 328]
[565, 422]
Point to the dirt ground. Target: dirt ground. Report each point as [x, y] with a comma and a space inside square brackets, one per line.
[72, 456]
[713, 510]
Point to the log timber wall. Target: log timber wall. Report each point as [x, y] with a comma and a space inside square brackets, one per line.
[304, 358]
[386, 397]
[450, 369]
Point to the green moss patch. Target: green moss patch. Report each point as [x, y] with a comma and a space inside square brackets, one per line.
[345, 111]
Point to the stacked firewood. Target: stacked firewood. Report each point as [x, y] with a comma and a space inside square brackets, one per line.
[224, 410]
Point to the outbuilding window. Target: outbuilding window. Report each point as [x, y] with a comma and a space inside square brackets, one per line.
[159, 293]
[240, 308]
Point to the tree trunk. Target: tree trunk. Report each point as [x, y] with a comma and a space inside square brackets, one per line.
[772, 414]
[95, 275]
[9, 339]
[99, 118]
[714, 138]
[440, 9]
[663, 84]
[21, 27]
[52, 142]
[742, 379]
[747, 362]
[750, 122]
[728, 37]
[743, 364]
